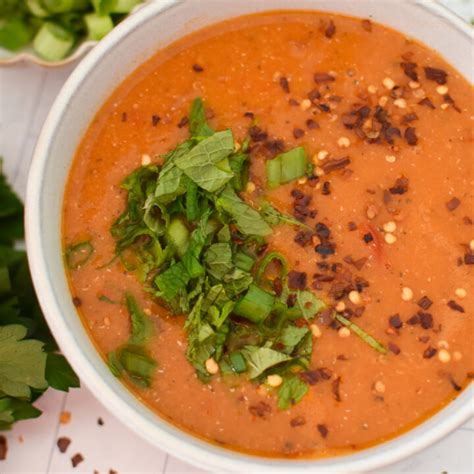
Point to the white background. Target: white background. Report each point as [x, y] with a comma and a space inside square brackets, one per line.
[26, 94]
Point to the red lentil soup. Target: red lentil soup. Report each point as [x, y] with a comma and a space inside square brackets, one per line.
[387, 125]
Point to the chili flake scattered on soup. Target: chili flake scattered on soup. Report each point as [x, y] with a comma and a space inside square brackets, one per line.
[268, 232]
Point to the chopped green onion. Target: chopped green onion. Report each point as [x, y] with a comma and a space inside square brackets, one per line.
[286, 167]
[270, 257]
[53, 42]
[255, 305]
[273, 168]
[371, 341]
[14, 34]
[293, 164]
[58, 6]
[238, 362]
[243, 261]
[106, 299]
[178, 236]
[98, 25]
[103, 7]
[77, 255]
[37, 8]
[124, 6]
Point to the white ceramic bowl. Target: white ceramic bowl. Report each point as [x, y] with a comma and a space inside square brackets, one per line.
[90, 84]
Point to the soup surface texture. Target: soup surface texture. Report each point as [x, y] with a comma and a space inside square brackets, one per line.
[387, 125]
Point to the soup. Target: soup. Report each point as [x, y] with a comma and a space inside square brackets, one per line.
[322, 186]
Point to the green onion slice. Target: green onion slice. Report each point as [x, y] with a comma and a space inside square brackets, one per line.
[53, 42]
[77, 255]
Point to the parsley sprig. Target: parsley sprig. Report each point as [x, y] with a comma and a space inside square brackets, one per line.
[29, 360]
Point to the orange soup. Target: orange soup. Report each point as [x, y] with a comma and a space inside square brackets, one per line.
[286, 270]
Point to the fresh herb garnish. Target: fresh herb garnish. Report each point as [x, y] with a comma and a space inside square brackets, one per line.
[370, 340]
[132, 358]
[29, 361]
[200, 249]
[78, 254]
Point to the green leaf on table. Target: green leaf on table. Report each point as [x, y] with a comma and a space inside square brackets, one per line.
[59, 373]
[22, 362]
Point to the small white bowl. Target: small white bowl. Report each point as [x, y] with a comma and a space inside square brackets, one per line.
[89, 85]
[29, 55]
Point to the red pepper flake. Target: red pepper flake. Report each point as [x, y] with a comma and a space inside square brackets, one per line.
[197, 68]
[469, 258]
[63, 443]
[410, 136]
[297, 280]
[336, 389]
[76, 301]
[298, 132]
[453, 204]
[427, 103]
[321, 77]
[394, 348]
[429, 352]
[77, 459]
[409, 69]
[257, 134]
[183, 122]
[326, 189]
[395, 321]
[351, 226]
[455, 385]
[437, 75]
[249, 115]
[424, 303]
[335, 164]
[467, 220]
[304, 237]
[124, 116]
[367, 25]
[284, 84]
[314, 95]
[408, 118]
[312, 377]
[293, 102]
[261, 409]
[455, 306]
[324, 108]
[401, 186]
[368, 237]
[323, 431]
[426, 320]
[414, 320]
[330, 29]
[155, 120]
[3, 448]
[297, 421]
[312, 124]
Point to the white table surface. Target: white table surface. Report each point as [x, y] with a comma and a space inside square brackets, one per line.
[26, 94]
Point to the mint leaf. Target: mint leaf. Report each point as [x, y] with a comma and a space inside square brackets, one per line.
[201, 163]
[246, 218]
[309, 304]
[260, 359]
[291, 392]
[198, 126]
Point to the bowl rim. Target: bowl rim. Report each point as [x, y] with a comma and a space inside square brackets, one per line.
[174, 440]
